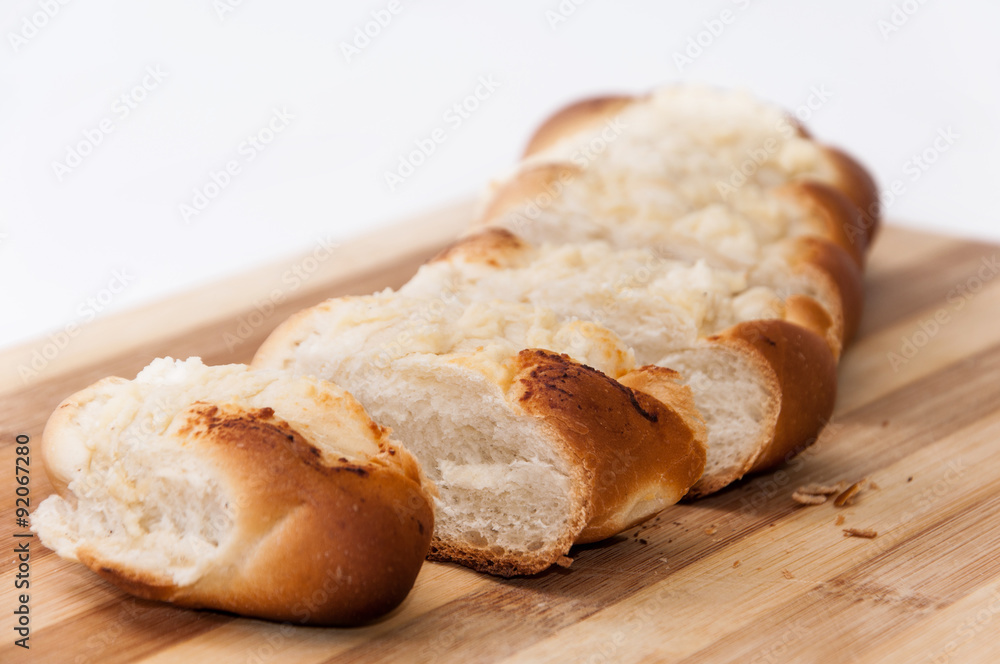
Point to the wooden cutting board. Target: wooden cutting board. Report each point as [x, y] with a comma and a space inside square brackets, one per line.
[745, 576]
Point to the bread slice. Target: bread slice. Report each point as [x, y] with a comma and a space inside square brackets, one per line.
[685, 148]
[531, 450]
[665, 178]
[665, 310]
[654, 303]
[254, 492]
[722, 238]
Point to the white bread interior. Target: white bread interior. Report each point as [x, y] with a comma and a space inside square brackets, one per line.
[436, 373]
[513, 494]
[134, 488]
[654, 305]
[660, 307]
[688, 166]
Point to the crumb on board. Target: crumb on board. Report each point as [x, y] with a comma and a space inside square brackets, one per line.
[866, 533]
[711, 530]
[642, 541]
[816, 494]
[850, 493]
[564, 561]
[736, 564]
[808, 498]
[788, 575]
[823, 489]
[839, 521]
[910, 478]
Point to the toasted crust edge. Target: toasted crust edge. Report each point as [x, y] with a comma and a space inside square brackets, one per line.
[857, 183]
[806, 372]
[843, 279]
[493, 246]
[575, 117]
[631, 454]
[291, 554]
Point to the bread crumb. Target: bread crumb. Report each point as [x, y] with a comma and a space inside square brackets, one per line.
[822, 489]
[850, 493]
[816, 494]
[564, 561]
[736, 564]
[788, 575]
[873, 486]
[839, 521]
[808, 498]
[642, 541]
[910, 478]
[866, 533]
[711, 530]
[885, 423]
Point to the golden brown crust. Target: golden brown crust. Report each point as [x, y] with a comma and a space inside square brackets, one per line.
[799, 126]
[832, 215]
[493, 246]
[806, 373]
[628, 443]
[313, 541]
[859, 186]
[519, 200]
[273, 352]
[576, 117]
[807, 313]
[327, 544]
[842, 274]
[498, 562]
[631, 454]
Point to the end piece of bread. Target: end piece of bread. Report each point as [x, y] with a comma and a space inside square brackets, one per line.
[254, 492]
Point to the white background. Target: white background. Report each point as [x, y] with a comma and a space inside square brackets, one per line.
[227, 65]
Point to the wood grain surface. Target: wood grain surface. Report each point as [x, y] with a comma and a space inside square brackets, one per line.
[745, 576]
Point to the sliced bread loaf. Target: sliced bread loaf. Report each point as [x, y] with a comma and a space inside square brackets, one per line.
[531, 451]
[671, 314]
